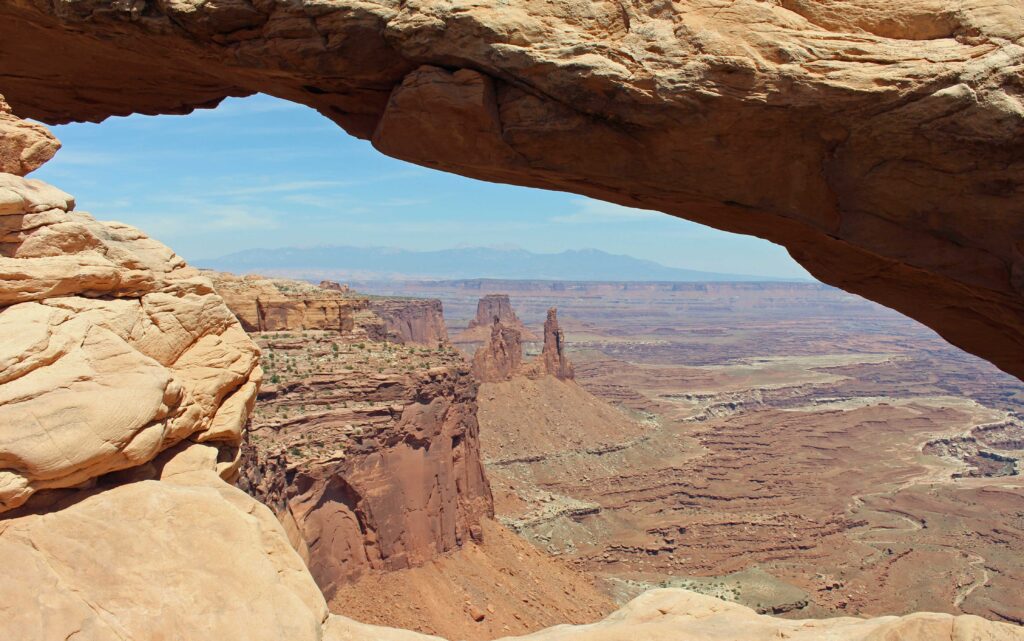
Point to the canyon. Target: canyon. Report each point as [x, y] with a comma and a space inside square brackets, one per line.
[367, 449]
[837, 460]
[725, 438]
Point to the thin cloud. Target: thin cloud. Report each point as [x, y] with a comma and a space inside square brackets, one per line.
[284, 187]
[597, 211]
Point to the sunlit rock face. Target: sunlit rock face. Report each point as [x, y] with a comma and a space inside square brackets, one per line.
[111, 348]
[24, 146]
[878, 141]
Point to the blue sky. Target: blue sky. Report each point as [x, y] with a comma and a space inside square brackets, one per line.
[260, 172]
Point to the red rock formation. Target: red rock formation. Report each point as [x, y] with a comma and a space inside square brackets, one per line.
[488, 309]
[386, 479]
[502, 357]
[333, 285]
[877, 141]
[412, 321]
[553, 356]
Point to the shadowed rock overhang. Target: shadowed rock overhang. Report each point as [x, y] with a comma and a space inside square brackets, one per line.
[882, 143]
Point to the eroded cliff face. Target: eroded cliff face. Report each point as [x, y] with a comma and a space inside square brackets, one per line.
[279, 304]
[412, 321]
[368, 452]
[879, 142]
[268, 305]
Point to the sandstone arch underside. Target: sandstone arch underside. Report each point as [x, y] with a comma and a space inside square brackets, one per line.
[882, 143]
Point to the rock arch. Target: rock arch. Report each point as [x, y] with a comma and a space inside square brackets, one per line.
[881, 143]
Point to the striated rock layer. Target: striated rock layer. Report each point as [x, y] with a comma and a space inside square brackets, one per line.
[879, 142]
[368, 452]
[270, 305]
[279, 304]
[412, 321]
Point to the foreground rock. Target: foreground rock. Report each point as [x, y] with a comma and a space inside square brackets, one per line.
[24, 146]
[111, 348]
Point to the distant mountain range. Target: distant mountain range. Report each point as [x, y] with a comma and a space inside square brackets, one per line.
[383, 263]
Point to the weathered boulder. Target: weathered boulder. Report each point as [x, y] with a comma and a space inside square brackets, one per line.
[189, 557]
[24, 146]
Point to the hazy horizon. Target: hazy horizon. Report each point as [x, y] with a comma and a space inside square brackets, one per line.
[463, 263]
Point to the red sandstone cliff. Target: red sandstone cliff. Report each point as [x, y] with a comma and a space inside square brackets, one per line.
[368, 450]
[382, 472]
[277, 304]
[271, 305]
[419, 321]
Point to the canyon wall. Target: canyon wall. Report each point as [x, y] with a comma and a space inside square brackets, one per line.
[878, 142]
[390, 483]
[412, 321]
[269, 305]
[367, 450]
[278, 304]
